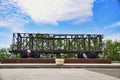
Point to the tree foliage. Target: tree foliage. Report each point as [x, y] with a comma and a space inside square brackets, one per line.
[4, 53]
[111, 50]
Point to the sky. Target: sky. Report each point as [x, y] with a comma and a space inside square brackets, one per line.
[59, 17]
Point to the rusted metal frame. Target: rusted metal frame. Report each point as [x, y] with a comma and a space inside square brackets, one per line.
[72, 43]
[79, 43]
[37, 38]
[65, 42]
[19, 40]
[23, 43]
[47, 42]
[69, 44]
[42, 43]
[72, 34]
[69, 38]
[33, 42]
[95, 42]
[89, 42]
[30, 41]
[13, 39]
[65, 51]
[84, 43]
[53, 42]
[100, 42]
[60, 43]
[52, 38]
[36, 44]
[27, 42]
[50, 42]
[57, 34]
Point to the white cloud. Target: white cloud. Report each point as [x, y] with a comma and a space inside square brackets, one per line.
[113, 37]
[47, 11]
[14, 14]
[12, 25]
[11, 16]
[114, 25]
[117, 24]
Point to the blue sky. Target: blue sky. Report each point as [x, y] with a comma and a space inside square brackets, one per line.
[59, 16]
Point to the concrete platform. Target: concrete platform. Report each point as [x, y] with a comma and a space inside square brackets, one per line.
[64, 72]
[52, 74]
[113, 65]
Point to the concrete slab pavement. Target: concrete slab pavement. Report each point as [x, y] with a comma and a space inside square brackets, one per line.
[107, 71]
[52, 74]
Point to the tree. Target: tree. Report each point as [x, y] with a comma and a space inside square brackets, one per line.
[4, 53]
[112, 50]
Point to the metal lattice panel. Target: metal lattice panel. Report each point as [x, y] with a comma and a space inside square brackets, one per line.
[56, 43]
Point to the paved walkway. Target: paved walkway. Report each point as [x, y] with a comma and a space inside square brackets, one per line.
[117, 65]
[52, 74]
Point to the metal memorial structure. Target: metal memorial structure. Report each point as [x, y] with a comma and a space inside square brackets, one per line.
[39, 43]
